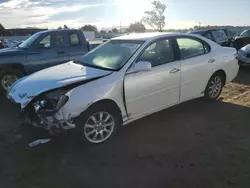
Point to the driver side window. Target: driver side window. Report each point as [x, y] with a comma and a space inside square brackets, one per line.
[158, 53]
[45, 42]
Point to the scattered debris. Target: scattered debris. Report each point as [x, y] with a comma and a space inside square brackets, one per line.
[39, 141]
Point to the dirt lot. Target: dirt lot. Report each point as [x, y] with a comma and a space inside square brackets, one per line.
[195, 144]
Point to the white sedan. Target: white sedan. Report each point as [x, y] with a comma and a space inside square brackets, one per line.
[122, 80]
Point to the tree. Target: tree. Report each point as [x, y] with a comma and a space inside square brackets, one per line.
[115, 30]
[2, 30]
[155, 18]
[109, 32]
[136, 27]
[59, 27]
[65, 27]
[103, 32]
[89, 28]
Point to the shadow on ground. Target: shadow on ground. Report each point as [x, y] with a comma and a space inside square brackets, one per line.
[195, 144]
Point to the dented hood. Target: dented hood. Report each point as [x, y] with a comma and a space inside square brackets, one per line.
[25, 89]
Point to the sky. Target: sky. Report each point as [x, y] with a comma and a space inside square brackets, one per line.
[179, 14]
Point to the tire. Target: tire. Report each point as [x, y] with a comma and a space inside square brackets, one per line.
[95, 131]
[7, 78]
[214, 87]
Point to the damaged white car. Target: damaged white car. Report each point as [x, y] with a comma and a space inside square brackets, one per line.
[124, 79]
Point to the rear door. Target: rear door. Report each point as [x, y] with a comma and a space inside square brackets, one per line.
[77, 47]
[196, 66]
[49, 50]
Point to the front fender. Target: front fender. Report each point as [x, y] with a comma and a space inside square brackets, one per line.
[81, 97]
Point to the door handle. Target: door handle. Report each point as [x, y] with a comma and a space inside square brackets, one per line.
[211, 60]
[174, 70]
[61, 52]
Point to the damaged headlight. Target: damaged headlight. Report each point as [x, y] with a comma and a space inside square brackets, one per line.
[51, 101]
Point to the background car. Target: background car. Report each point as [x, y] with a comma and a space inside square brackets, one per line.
[217, 35]
[42, 50]
[122, 80]
[242, 39]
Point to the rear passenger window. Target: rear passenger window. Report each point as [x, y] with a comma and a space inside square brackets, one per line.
[190, 47]
[74, 39]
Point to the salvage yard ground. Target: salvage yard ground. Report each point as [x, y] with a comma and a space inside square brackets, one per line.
[192, 145]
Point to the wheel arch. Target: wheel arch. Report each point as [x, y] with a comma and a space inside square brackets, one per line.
[13, 66]
[221, 72]
[107, 102]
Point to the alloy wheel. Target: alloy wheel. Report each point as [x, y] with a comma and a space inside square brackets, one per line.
[99, 127]
[8, 80]
[215, 87]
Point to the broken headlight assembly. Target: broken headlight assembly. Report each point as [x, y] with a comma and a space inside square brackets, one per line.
[51, 102]
[41, 112]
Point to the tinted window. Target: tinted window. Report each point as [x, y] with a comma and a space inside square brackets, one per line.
[59, 40]
[158, 53]
[45, 42]
[208, 36]
[190, 47]
[74, 39]
[219, 36]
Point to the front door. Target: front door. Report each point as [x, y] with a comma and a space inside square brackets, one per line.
[49, 51]
[149, 91]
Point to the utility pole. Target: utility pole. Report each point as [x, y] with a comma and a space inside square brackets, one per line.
[120, 26]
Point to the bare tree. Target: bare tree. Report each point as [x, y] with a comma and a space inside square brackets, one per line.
[155, 18]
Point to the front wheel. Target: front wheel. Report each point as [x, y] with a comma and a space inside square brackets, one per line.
[99, 123]
[214, 87]
[7, 78]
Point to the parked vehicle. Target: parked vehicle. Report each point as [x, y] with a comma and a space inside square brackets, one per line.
[42, 50]
[244, 56]
[242, 39]
[122, 80]
[217, 35]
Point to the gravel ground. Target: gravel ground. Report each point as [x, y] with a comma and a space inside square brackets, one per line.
[195, 144]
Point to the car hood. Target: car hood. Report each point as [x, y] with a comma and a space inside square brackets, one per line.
[25, 89]
[12, 51]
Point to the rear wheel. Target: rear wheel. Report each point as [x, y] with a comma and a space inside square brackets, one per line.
[214, 87]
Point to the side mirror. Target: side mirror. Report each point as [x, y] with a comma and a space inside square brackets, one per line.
[142, 66]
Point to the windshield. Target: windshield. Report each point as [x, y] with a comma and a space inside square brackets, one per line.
[29, 41]
[112, 55]
[245, 33]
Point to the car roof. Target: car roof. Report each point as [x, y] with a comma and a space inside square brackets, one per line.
[58, 30]
[197, 31]
[147, 36]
